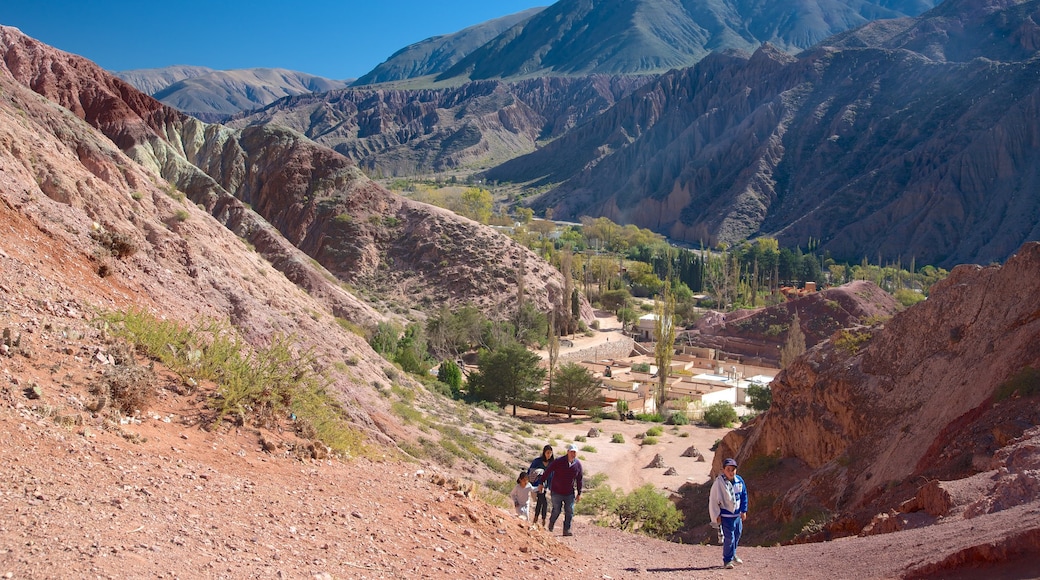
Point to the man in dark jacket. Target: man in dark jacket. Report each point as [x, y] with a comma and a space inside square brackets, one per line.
[565, 478]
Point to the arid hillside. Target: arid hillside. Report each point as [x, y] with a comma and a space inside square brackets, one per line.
[929, 417]
[321, 207]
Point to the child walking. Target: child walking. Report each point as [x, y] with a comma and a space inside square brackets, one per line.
[521, 495]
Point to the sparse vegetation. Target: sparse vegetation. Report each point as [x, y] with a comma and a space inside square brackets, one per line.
[259, 385]
[851, 341]
[1025, 383]
[617, 438]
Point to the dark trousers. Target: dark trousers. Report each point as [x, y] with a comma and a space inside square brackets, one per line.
[541, 506]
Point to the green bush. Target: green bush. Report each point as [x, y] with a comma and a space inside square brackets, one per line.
[678, 418]
[588, 448]
[650, 440]
[645, 510]
[581, 438]
[654, 431]
[617, 438]
[720, 414]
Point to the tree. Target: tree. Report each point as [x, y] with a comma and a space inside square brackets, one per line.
[627, 317]
[384, 339]
[553, 347]
[614, 300]
[664, 334]
[476, 204]
[450, 374]
[411, 350]
[794, 346]
[760, 397]
[576, 388]
[507, 376]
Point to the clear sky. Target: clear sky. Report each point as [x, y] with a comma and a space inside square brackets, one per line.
[334, 39]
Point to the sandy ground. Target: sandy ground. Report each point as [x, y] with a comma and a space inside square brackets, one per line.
[625, 464]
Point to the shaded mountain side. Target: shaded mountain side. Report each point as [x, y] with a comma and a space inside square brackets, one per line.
[581, 37]
[410, 132]
[437, 54]
[894, 428]
[875, 151]
[758, 335]
[299, 187]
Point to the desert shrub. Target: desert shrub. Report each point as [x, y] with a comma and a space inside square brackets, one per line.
[617, 438]
[181, 215]
[645, 510]
[580, 438]
[262, 385]
[654, 431]
[118, 244]
[720, 414]
[588, 448]
[1025, 383]
[678, 418]
[650, 417]
[126, 386]
[650, 440]
[641, 367]
[851, 341]
[907, 297]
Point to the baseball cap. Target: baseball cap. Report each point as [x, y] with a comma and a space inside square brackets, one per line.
[729, 461]
[572, 447]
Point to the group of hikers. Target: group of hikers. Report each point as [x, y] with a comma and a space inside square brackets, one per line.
[561, 479]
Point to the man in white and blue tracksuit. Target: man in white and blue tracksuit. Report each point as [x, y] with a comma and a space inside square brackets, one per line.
[727, 505]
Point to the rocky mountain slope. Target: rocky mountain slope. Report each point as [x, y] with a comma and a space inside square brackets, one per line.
[581, 37]
[394, 132]
[437, 54]
[901, 139]
[930, 417]
[213, 96]
[321, 207]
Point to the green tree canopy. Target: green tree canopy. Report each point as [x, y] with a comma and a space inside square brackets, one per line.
[575, 388]
[509, 375]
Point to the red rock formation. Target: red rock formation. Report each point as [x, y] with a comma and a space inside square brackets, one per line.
[916, 399]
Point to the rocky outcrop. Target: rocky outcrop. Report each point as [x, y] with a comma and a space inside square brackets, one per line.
[900, 140]
[944, 390]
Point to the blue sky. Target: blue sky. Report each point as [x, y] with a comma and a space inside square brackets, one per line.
[333, 39]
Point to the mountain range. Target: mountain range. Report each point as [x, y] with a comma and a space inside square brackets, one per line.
[923, 425]
[581, 37]
[908, 138]
[902, 139]
[213, 96]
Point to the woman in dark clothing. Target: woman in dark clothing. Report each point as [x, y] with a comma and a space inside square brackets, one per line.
[534, 474]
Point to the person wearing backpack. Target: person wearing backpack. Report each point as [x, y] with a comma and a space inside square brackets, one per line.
[727, 505]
